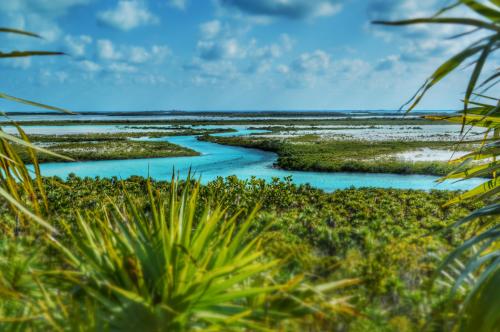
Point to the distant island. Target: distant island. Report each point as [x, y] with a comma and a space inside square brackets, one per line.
[237, 114]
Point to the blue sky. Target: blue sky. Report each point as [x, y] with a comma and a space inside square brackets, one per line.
[226, 54]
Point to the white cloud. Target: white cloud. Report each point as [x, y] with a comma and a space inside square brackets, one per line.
[89, 66]
[316, 62]
[128, 14]
[50, 8]
[46, 76]
[106, 50]
[274, 50]
[216, 50]
[388, 63]
[223, 48]
[160, 52]
[179, 4]
[120, 67]
[209, 73]
[283, 69]
[223, 42]
[393, 10]
[350, 69]
[139, 54]
[77, 45]
[421, 42]
[43, 26]
[406, 9]
[312, 68]
[306, 70]
[156, 54]
[38, 16]
[291, 9]
[287, 42]
[16, 63]
[210, 29]
[152, 79]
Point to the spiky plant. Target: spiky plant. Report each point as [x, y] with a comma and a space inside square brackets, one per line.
[183, 265]
[21, 188]
[25, 197]
[481, 310]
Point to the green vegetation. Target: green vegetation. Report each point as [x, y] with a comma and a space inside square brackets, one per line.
[109, 150]
[157, 133]
[90, 254]
[391, 239]
[397, 120]
[480, 311]
[311, 153]
[161, 259]
[101, 146]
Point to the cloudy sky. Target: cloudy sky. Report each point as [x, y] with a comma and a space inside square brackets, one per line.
[225, 54]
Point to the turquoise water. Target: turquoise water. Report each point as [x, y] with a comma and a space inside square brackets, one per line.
[219, 160]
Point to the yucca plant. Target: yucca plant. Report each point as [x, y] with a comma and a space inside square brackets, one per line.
[481, 310]
[183, 265]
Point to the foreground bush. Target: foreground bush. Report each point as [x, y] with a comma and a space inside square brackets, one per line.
[175, 265]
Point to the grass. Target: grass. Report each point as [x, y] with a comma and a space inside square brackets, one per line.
[311, 153]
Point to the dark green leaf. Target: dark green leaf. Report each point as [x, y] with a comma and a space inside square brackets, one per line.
[443, 20]
[32, 103]
[19, 54]
[482, 10]
[19, 32]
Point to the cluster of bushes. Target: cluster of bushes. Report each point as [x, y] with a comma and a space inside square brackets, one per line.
[392, 240]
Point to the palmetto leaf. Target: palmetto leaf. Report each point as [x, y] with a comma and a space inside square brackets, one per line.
[488, 151]
[16, 181]
[26, 143]
[16, 202]
[481, 307]
[485, 52]
[19, 32]
[470, 119]
[486, 211]
[490, 79]
[476, 171]
[490, 187]
[442, 72]
[19, 54]
[444, 20]
[33, 103]
[483, 10]
[481, 311]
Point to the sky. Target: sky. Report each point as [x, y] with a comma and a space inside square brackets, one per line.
[131, 55]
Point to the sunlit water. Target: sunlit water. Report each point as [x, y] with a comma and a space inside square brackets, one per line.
[221, 161]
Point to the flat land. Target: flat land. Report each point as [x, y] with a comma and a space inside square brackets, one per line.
[236, 121]
[314, 153]
[373, 145]
[104, 147]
